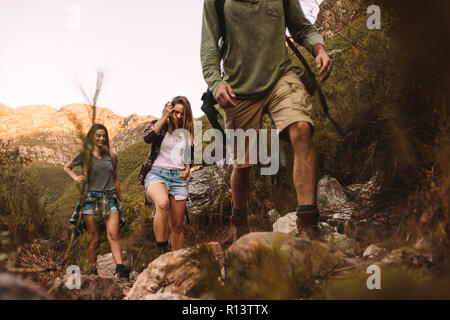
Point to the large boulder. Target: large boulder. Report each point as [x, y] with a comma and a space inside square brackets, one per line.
[93, 287]
[274, 265]
[178, 272]
[15, 288]
[201, 183]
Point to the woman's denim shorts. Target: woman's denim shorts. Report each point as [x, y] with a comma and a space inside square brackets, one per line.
[177, 186]
[93, 196]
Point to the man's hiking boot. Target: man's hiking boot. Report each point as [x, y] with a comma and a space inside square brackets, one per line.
[307, 224]
[226, 237]
[122, 271]
[239, 219]
[240, 224]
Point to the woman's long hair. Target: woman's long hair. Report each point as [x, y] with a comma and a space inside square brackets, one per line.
[90, 139]
[188, 119]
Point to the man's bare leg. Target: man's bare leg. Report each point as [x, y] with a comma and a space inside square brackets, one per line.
[305, 178]
[240, 187]
[305, 163]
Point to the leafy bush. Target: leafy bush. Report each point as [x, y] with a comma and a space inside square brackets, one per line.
[23, 211]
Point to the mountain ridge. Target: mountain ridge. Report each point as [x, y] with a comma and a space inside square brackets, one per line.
[46, 134]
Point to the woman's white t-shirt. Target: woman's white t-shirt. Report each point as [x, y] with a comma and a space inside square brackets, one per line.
[171, 153]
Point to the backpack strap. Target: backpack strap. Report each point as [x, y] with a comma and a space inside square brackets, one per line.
[285, 12]
[220, 9]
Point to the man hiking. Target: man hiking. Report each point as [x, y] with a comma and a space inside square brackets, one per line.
[258, 78]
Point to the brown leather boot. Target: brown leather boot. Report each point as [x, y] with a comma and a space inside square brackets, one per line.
[307, 224]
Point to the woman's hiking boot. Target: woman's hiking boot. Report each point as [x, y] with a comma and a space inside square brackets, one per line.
[122, 271]
[307, 224]
[163, 247]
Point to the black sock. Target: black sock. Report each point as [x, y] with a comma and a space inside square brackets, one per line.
[306, 208]
[164, 244]
[238, 212]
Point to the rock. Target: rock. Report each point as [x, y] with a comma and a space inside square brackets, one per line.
[106, 266]
[409, 257]
[15, 288]
[165, 296]
[330, 193]
[368, 231]
[373, 250]
[341, 216]
[367, 190]
[423, 243]
[201, 184]
[273, 215]
[286, 224]
[325, 228]
[347, 245]
[93, 287]
[176, 272]
[270, 264]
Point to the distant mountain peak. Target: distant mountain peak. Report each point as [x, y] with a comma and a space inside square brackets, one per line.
[46, 134]
[5, 108]
[40, 108]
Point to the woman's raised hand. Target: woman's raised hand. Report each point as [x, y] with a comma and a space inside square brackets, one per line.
[168, 108]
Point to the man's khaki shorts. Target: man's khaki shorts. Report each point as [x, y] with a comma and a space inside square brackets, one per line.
[286, 103]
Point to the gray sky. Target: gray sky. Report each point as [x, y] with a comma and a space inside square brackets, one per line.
[150, 51]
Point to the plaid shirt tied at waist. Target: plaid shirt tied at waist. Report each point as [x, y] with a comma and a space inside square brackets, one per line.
[150, 136]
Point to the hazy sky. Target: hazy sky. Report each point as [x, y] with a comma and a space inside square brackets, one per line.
[150, 51]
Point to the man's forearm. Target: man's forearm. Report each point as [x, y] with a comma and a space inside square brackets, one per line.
[317, 49]
[301, 29]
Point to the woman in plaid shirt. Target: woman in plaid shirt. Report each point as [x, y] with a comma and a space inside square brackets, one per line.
[165, 173]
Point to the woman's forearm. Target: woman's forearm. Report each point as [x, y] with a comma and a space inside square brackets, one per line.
[159, 124]
[68, 170]
[119, 195]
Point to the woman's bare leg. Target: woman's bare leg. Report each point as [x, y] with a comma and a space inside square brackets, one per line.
[158, 192]
[94, 236]
[112, 232]
[176, 216]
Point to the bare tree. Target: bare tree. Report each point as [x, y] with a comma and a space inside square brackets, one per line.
[87, 148]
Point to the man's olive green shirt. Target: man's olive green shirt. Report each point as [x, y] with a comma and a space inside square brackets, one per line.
[256, 55]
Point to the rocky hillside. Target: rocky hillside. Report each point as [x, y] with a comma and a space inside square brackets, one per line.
[48, 135]
[337, 14]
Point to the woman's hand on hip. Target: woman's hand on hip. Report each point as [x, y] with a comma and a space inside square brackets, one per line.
[81, 179]
[184, 174]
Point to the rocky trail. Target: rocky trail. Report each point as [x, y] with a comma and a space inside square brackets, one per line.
[258, 265]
